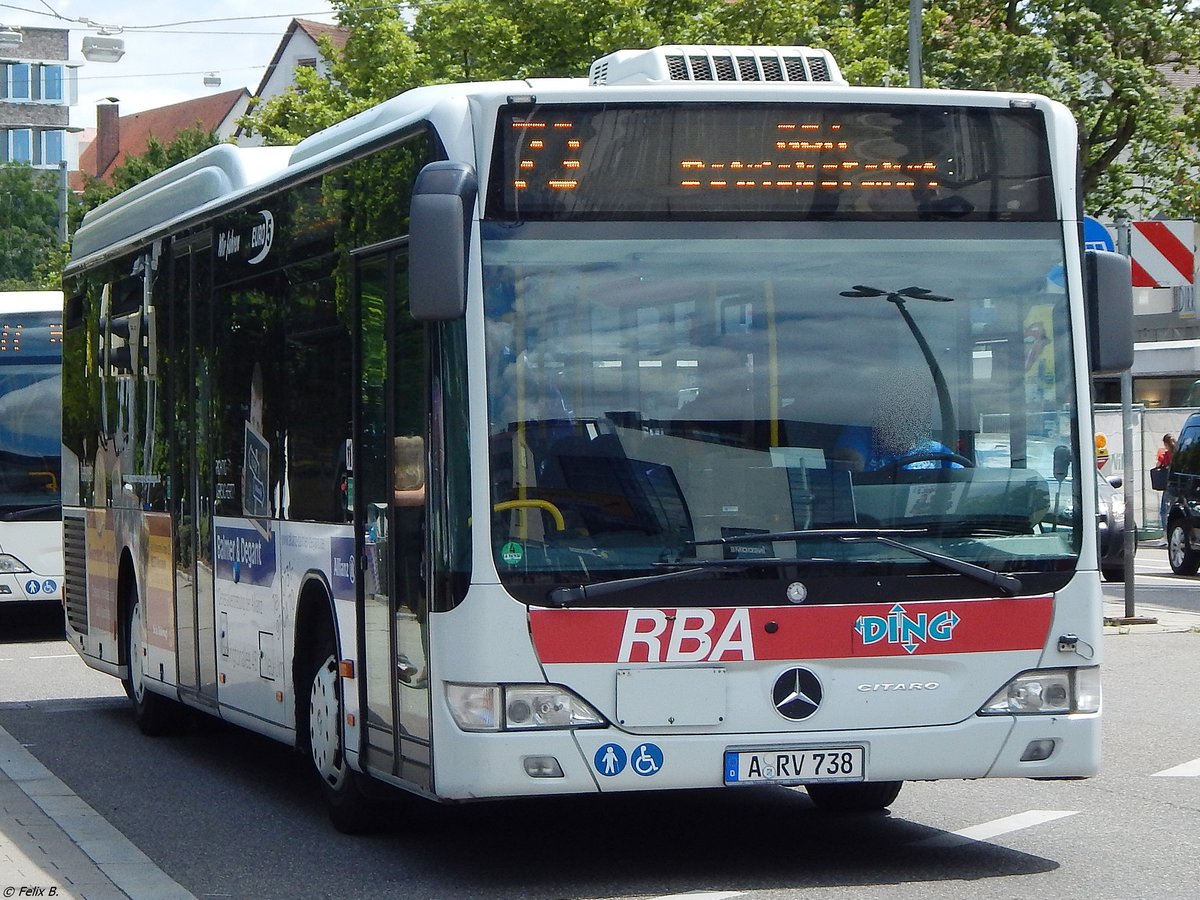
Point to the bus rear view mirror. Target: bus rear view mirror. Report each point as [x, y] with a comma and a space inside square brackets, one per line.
[443, 202]
[1108, 297]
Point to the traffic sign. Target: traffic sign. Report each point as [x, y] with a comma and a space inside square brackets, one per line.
[1096, 236]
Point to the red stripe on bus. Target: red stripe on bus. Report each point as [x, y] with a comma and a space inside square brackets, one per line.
[733, 634]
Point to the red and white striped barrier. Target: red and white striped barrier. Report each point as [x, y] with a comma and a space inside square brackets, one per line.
[1163, 253]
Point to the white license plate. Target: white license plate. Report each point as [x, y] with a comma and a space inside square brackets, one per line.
[796, 765]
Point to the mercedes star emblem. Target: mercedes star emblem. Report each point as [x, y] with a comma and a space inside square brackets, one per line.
[797, 694]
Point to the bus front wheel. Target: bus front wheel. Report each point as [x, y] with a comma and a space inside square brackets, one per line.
[155, 715]
[865, 796]
[351, 810]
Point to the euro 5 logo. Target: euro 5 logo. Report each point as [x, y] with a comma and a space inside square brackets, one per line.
[910, 632]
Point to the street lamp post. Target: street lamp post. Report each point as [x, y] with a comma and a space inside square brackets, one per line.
[914, 43]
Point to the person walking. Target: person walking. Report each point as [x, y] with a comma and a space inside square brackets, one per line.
[1163, 461]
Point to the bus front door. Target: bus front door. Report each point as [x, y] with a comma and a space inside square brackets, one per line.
[191, 444]
[390, 474]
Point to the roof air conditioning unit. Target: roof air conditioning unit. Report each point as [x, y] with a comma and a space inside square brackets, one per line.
[714, 63]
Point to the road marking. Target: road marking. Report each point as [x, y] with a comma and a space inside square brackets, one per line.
[1187, 770]
[702, 895]
[57, 656]
[995, 828]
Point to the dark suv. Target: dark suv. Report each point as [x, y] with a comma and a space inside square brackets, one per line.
[1183, 501]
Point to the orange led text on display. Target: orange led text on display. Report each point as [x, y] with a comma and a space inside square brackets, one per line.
[790, 163]
[786, 171]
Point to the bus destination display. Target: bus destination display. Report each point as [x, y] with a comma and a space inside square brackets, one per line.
[31, 334]
[770, 162]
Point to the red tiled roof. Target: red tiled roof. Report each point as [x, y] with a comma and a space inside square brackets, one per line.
[314, 30]
[318, 30]
[163, 124]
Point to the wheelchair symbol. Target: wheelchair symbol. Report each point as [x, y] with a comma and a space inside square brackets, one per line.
[647, 759]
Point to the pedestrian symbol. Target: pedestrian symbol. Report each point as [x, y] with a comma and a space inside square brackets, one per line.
[33, 586]
[647, 759]
[610, 760]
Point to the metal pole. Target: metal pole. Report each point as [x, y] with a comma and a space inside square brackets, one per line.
[1130, 548]
[63, 189]
[914, 43]
[1130, 534]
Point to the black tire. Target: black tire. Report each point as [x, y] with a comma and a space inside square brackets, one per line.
[155, 715]
[352, 809]
[1113, 573]
[860, 797]
[1183, 559]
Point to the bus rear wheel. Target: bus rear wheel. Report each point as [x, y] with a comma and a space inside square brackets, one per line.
[155, 715]
[351, 810]
[864, 796]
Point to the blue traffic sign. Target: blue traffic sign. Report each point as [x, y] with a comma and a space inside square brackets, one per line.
[1096, 236]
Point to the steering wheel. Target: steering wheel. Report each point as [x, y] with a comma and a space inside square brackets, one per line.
[927, 456]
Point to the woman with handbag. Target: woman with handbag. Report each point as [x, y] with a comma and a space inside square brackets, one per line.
[1158, 476]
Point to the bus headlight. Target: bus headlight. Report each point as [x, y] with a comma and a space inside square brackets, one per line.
[10, 565]
[518, 707]
[1047, 692]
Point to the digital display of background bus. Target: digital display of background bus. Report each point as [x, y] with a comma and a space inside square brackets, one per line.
[781, 161]
[30, 334]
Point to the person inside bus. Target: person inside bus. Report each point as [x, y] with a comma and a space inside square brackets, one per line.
[408, 498]
[408, 488]
[901, 429]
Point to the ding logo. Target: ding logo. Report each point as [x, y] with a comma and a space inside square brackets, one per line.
[898, 627]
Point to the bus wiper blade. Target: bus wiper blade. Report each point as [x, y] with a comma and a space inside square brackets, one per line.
[810, 534]
[1007, 583]
[32, 512]
[567, 596]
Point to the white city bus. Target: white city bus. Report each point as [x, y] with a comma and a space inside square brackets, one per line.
[31, 557]
[677, 427]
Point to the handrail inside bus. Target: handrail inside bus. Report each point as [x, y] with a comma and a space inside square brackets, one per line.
[559, 523]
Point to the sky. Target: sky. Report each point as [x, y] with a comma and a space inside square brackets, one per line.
[166, 62]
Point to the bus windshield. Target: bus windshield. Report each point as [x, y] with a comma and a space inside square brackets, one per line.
[30, 444]
[665, 396]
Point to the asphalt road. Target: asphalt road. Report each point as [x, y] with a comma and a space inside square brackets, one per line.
[229, 814]
[1155, 585]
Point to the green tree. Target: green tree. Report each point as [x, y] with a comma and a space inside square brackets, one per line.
[29, 203]
[1107, 60]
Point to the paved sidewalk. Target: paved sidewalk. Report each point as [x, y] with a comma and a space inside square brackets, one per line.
[1165, 620]
[52, 844]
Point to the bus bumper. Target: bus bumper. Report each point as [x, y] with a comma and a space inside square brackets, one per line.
[604, 760]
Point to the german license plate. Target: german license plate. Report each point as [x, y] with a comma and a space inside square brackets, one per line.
[795, 765]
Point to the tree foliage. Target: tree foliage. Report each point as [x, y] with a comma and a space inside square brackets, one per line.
[29, 244]
[1109, 61]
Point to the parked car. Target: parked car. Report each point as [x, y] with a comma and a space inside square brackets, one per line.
[1183, 500]
[1110, 508]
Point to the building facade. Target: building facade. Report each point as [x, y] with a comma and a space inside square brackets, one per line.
[37, 90]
